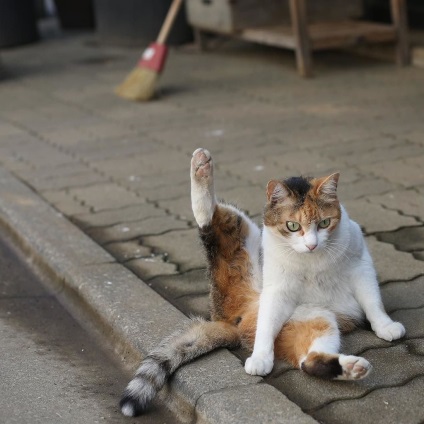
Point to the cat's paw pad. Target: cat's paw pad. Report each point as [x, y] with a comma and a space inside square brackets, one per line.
[390, 332]
[259, 364]
[354, 367]
[201, 163]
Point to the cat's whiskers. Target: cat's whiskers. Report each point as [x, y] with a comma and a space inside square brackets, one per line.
[336, 250]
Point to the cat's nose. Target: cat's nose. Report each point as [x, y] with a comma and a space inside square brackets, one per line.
[311, 247]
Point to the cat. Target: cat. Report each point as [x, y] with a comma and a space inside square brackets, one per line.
[287, 292]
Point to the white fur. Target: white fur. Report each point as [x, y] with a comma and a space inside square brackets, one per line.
[354, 367]
[337, 276]
[203, 200]
[253, 247]
[128, 410]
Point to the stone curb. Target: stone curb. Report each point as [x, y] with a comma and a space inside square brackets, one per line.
[106, 296]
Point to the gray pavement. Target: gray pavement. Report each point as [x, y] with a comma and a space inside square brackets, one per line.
[119, 171]
[52, 371]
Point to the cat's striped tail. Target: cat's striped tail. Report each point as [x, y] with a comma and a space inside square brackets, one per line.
[181, 347]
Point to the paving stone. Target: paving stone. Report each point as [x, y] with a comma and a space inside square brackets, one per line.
[109, 148]
[149, 182]
[392, 405]
[256, 171]
[407, 172]
[124, 251]
[147, 268]
[8, 129]
[60, 183]
[308, 163]
[357, 148]
[418, 255]
[240, 404]
[65, 203]
[169, 191]
[363, 187]
[384, 154]
[240, 150]
[194, 305]
[360, 340]
[229, 374]
[176, 286]
[105, 196]
[15, 166]
[119, 215]
[135, 229]
[183, 248]
[392, 366]
[416, 136]
[373, 218]
[145, 164]
[406, 239]
[409, 202]
[249, 199]
[42, 155]
[180, 208]
[403, 295]
[413, 320]
[392, 265]
[223, 182]
[415, 347]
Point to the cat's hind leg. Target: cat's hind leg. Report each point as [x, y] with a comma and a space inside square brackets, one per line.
[231, 241]
[311, 342]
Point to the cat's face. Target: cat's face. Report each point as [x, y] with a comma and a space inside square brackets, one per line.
[304, 211]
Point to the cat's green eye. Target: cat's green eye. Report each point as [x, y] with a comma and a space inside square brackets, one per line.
[293, 226]
[324, 223]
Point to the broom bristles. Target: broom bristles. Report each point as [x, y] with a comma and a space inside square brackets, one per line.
[140, 84]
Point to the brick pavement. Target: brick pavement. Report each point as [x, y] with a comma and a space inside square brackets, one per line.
[119, 170]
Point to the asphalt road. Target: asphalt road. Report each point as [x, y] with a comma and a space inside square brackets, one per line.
[51, 369]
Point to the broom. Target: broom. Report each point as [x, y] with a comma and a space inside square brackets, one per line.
[140, 84]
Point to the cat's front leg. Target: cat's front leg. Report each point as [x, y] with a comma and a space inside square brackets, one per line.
[367, 293]
[274, 311]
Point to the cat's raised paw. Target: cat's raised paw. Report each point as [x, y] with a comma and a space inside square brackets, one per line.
[201, 164]
[390, 332]
[354, 367]
[259, 364]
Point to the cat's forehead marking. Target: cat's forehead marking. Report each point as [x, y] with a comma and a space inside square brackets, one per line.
[299, 186]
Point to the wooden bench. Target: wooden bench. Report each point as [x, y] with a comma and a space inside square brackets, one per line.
[299, 33]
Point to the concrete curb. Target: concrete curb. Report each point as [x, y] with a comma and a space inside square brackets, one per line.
[105, 295]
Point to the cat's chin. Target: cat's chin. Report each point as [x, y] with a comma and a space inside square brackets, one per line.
[306, 251]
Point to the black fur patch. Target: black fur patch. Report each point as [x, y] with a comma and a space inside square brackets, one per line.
[300, 186]
[323, 367]
[210, 242]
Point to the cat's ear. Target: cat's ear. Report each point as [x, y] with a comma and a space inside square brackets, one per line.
[276, 191]
[327, 187]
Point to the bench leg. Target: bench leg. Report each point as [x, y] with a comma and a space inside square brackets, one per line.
[200, 39]
[301, 34]
[400, 21]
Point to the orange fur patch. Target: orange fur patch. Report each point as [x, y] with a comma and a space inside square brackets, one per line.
[296, 337]
[230, 267]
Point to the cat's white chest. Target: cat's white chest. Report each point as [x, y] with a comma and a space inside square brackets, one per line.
[331, 289]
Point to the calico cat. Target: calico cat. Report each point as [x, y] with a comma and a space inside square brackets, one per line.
[287, 292]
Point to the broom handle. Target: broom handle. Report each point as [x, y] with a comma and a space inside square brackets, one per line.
[169, 20]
